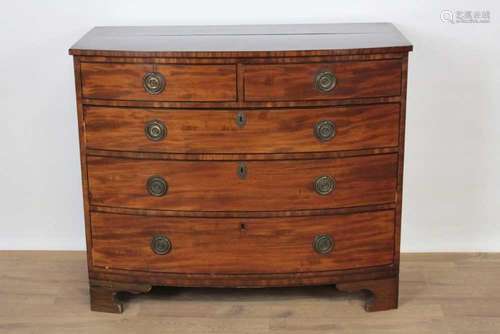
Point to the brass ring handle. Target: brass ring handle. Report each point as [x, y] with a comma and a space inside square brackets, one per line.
[157, 186]
[325, 81]
[154, 83]
[155, 130]
[324, 185]
[325, 130]
[161, 245]
[323, 244]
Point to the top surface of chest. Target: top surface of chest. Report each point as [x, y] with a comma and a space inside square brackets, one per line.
[261, 40]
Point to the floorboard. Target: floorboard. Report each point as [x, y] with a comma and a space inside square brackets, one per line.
[47, 292]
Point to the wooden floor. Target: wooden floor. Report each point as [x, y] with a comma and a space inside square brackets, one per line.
[47, 292]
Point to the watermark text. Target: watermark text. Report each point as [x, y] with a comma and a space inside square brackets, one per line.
[465, 16]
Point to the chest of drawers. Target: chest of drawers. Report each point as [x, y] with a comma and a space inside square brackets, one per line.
[242, 156]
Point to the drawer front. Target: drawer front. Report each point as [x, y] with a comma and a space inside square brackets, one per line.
[322, 81]
[271, 245]
[254, 131]
[242, 186]
[168, 82]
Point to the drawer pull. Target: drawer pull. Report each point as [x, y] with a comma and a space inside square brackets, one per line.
[154, 83]
[325, 81]
[324, 130]
[242, 170]
[161, 245]
[241, 119]
[324, 185]
[157, 186]
[155, 130]
[323, 244]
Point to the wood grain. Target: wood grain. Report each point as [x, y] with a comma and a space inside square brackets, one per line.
[402, 129]
[240, 60]
[291, 82]
[383, 292]
[104, 295]
[240, 156]
[201, 245]
[83, 157]
[261, 280]
[243, 40]
[240, 104]
[269, 185]
[242, 214]
[265, 131]
[183, 82]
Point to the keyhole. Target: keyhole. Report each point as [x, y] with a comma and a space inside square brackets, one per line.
[242, 171]
[241, 119]
[243, 227]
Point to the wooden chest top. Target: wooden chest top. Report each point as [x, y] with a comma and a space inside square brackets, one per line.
[252, 40]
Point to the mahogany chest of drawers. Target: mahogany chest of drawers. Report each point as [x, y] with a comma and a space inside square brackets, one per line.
[242, 156]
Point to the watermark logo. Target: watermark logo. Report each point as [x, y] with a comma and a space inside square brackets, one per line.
[465, 16]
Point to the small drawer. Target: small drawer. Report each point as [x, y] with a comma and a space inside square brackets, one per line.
[242, 186]
[322, 81]
[242, 246]
[242, 131]
[149, 82]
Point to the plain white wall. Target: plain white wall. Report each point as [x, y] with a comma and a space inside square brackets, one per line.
[452, 175]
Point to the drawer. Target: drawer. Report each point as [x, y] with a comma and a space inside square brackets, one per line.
[253, 131]
[158, 82]
[242, 186]
[240, 246]
[322, 81]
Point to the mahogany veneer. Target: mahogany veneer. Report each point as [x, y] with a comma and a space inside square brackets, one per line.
[242, 156]
[265, 131]
[269, 185]
[292, 82]
[192, 82]
[231, 245]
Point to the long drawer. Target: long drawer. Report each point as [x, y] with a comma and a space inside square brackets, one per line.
[145, 82]
[242, 186]
[322, 81]
[261, 245]
[252, 131]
